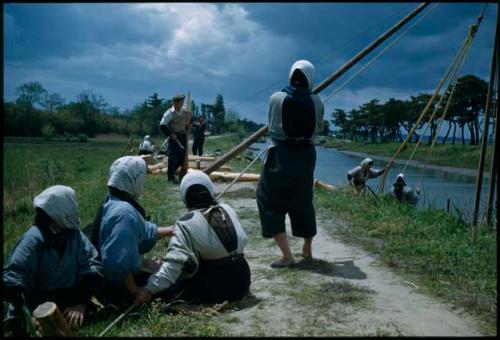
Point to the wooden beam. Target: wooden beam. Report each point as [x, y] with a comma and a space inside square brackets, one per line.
[484, 141]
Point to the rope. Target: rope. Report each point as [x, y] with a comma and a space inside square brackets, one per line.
[451, 83]
[472, 29]
[442, 118]
[387, 48]
[241, 173]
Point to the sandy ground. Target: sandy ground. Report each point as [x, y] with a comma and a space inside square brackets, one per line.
[418, 164]
[307, 300]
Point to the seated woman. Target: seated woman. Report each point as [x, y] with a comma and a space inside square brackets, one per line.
[205, 255]
[53, 260]
[122, 233]
[145, 148]
[404, 193]
[358, 176]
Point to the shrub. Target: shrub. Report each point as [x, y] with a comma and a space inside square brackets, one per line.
[82, 138]
[48, 131]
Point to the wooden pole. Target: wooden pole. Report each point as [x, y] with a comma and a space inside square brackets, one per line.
[187, 124]
[496, 142]
[343, 69]
[484, 142]
[51, 321]
[370, 48]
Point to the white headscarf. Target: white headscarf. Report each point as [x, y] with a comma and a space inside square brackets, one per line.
[59, 202]
[402, 176]
[307, 68]
[195, 177]
[147, 138]
[365, 162]
[128, 174]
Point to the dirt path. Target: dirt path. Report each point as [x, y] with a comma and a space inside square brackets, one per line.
[344, 291]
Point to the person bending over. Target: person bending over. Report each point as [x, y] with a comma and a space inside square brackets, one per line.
[205, 254]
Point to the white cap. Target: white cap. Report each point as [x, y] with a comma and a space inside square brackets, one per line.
[147, 137]
[307, 69]
[195, 177]
[59, 202]
[365, 162]
[128, 174]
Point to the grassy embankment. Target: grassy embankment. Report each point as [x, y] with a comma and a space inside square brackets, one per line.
[31, 165]
[460, 156]
[429, 247]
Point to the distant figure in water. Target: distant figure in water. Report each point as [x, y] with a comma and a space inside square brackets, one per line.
[360, 174]
[404, 193]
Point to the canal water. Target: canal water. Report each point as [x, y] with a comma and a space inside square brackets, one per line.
[436, 186]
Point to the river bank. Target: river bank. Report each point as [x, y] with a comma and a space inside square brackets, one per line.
[449, 156]
[419, 164]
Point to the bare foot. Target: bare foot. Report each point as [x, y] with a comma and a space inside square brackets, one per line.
[283, 262]
[306, 253]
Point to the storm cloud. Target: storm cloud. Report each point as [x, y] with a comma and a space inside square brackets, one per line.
[127, 51]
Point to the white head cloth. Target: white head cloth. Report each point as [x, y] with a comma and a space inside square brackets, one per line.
[307, 68]
[365, 162]
[195, 177]
[59, 202]
[147, 138]
[128, 174]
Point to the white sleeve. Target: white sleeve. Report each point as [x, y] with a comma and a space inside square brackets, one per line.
[167, 117]
[180, 260]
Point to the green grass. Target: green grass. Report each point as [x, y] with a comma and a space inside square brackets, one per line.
[461, 156]
[31, 165]
[430, 246]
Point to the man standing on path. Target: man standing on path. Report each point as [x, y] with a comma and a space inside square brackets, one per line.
[286, 181]
[173, 125]
[199, 135]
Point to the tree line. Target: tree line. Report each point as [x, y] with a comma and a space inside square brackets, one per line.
[385, 122]
[36, 112]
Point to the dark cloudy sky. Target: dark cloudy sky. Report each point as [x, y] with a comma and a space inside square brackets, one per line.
[125, 52]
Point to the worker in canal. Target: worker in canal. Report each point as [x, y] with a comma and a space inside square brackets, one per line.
[359, 175]
[199, 127]
[52, 261]
[286, 181]
[204, 258]
[123, 233]
[403, 192]
[173, 125]
[146, 148]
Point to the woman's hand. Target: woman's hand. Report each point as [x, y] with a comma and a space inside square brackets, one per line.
[142, 296]
[74, 315]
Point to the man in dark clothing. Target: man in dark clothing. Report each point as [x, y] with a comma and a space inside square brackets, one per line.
[286, 180]
[173, 125]
[199, 135]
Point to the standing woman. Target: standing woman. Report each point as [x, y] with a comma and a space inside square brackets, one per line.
[123, 233]
[286, 181]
